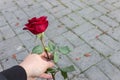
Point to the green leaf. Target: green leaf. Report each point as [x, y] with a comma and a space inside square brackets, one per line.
[68, 69]
[51, 46]
[50, 70]
[37, 49]
[56, 57]
[64, 74]
[64, 50]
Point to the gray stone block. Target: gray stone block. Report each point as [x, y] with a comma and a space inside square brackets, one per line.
[80, 77]
[101, 9]
[74, 39]
[95, 74]
[83, 28]
[21, 56]
[79, 3]
[55, 32]
[101, 48]
[77, 55]
[115, 14]
[9, 62]
[7, 32]
[61, 41]
[100, 24]
[68, 22]
[77, 18]
[115, 59]
[2, 21]
[72, 6]
[110, 42]
[109, 21]
[64, 62]
[90, 35]
[93, 15]
[10, 46]
[86, 11]
[111, 71]
[62, 13]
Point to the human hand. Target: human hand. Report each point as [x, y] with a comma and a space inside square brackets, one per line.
[35, 66]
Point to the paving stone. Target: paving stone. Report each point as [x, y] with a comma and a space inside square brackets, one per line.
[115, 33]
[86, 62]
[62, 13]
[7, 32]
[86, 11]
[2, 21]
[64, 2]
[1, 37]
[89, 2]
[24, 36]
[110, 42]
[77, 55]
[90, 35]
[80, 77]
[9, 47]
[6, 4]
[21, 56]
[21, 3]
[56, 9]
[72, 6]
[101, 9]
[111, 1]
[115, 59]
[10, 17]
[107, 5]
[77, 18]
[83, 28]
[54, 2]
[55, 32]
[93, 15]
[68, 22]
[61, 41]
[109, 21]
[53, 25]
[29, 11]
[117, 4]
[64, 62]
[115, 14]
[95, 74]
[9, 62]
[101, 47]
[75, 40]
[101, 25]
[46, 3]
[79, 3]
[20, 14]
[111, 71]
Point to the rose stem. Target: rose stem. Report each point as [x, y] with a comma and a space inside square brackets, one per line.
[53, 76]
[42, 41]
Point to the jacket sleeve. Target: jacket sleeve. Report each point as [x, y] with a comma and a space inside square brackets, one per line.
[14, 73]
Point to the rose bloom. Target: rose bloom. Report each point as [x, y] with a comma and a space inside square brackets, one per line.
[37, 25]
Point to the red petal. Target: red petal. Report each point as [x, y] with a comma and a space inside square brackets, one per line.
[87, 55]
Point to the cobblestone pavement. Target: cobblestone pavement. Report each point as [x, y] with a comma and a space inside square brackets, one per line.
[87, 26]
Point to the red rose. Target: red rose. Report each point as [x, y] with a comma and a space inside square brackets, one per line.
[37, 25]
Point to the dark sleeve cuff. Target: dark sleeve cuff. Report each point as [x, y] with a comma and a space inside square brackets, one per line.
[15, 73]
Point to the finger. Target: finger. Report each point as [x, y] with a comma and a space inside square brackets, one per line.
[47, 76]
[51, 64]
